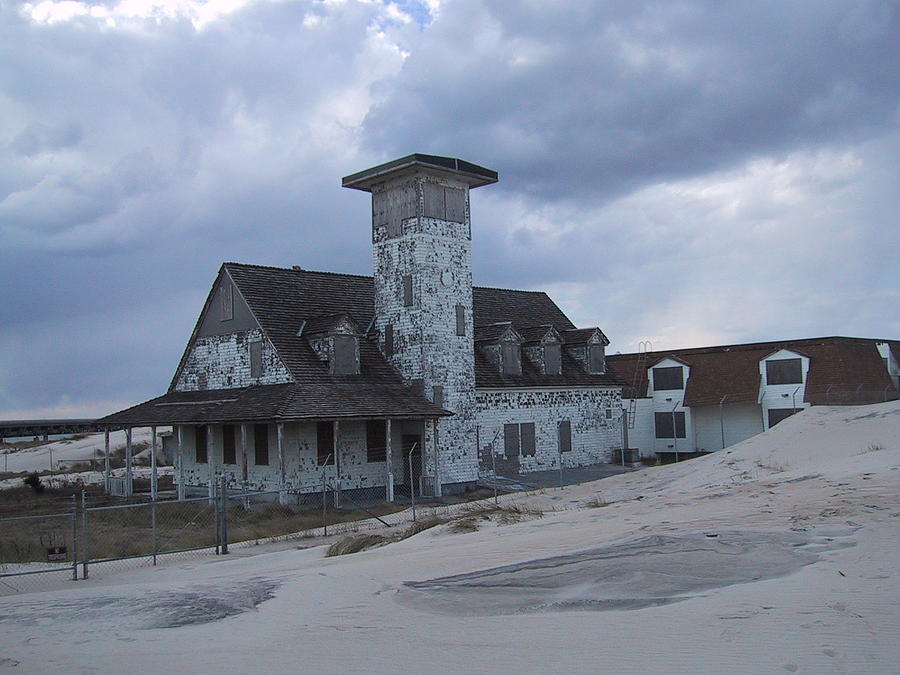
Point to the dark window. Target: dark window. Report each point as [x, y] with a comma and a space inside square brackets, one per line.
[778, 414]
[669, 425]
[376, 450]
[460, 320]
[511, 440]
[784, 371]
[344, 362]
[389, 339]
[668, 378]
[227, 297]
[512, 358]
[597, 359]
[201, 455]
[256, 359]
[565, 436]
[325, 443]
[261, 444]
[552, 359]
[526, 435]
[407, 290]
[437, 395]
[228, 444]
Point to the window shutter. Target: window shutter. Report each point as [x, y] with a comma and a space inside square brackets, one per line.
[227, 296]
[256, 359]
[565, 436]
[526, 431]
[407, 290]
[460, 320]
[511, 440]
[455, 204]
[437, 395]
[325, 443]
[389, 339]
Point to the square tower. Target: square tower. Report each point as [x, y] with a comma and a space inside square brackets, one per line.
[421, 236]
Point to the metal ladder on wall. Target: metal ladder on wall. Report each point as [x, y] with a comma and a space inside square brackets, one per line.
[644, 347]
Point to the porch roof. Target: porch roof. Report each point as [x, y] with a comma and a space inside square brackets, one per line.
[278, 402]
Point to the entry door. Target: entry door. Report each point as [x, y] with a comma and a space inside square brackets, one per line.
[412, 442]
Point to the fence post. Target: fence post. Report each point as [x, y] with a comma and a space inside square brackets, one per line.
[74, 538]
[153, 528]
[324, 505]
[412, 483]
[84, 536]
[494, 468]
[224, 521]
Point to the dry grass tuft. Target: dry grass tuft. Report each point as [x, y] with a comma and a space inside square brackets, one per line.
[356, 543]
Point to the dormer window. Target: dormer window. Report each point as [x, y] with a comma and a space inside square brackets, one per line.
[512, 358]
[784, 371]
[668, 378]
[345, 355]
[552, 359]
[597, 359]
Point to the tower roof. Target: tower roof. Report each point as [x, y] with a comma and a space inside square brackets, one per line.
[458, 169]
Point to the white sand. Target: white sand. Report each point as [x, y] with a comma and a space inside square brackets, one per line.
[801, 577]
[58, 456]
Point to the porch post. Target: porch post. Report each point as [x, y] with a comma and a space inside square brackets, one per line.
[279, 427]
[106, 465]
[128, 488]
[211, 459]
[153, 484]
[180, 455]
[244, 456]
[388, 459]
[437, 454]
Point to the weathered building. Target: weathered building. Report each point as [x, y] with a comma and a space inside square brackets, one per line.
[686, 401]
[411, 376]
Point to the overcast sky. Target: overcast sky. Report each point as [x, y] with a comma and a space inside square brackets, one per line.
[687, 172]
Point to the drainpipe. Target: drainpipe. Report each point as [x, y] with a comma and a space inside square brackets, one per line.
[675, 431]
[794, 399]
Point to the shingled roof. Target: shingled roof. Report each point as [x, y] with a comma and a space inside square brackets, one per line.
[841, 370]
[282, 300]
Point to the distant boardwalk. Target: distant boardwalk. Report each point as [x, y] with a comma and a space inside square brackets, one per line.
[44, 428]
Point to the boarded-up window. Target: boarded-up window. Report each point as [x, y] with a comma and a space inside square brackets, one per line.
[434, 201]
[407, 290]
[227, 297]
[778, 414]
[512, 358]
[460, 320]
[228, 444]
[784, 371]
[511, 440]
[552, 359]
[389, 339]
[437, 395]
[201, 455]
[670, 425]
[345, 360]
[261, 444]
[564, 432]
[256, 364]
[325, 443]
[376, 441]
[597, 359]
[455, 205]
[668, 378]
[526, 438]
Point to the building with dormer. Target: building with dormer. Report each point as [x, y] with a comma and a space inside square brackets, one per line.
[411, 377]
